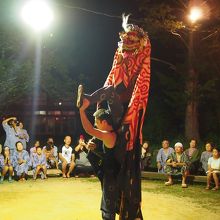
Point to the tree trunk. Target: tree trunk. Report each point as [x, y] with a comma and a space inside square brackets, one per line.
[191, 117]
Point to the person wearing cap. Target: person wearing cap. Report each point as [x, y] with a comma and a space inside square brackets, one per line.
[177, 164]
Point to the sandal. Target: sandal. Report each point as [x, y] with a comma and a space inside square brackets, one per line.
[184, 185]
[168, 183]
[215, 188]
[208, 187]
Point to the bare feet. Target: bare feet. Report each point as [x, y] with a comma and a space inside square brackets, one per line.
[67, 175]
[64, 175]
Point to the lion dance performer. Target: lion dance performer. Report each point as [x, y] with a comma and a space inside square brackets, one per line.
[126, 91]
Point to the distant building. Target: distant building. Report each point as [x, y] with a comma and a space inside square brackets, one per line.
[55, 118]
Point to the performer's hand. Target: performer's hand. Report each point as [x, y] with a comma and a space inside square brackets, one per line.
[91, 145]
[85, 104]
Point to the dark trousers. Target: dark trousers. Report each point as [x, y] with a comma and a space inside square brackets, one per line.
[109, 201]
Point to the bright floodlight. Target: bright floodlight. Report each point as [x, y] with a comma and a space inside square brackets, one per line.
[195, 14]
[37, 14]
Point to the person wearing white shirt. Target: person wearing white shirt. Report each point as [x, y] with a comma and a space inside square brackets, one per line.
[67, 158]
[213, 169]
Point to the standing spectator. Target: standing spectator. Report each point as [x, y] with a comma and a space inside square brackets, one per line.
[145, 156]
[39, 164]
[50, 150]
[214, 169]
[23, 135]
[177, 164]
[83, 166]
[6, 164]
[21, 161]
[67, 158]
[11, 130]
[194, 157]
[162, 155]
[205, 156]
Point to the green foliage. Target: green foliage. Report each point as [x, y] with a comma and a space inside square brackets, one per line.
[170, 34]
[17, 63]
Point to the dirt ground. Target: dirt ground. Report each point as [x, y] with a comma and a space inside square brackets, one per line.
[79, 199]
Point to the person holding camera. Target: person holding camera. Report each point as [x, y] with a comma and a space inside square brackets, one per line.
[51, 152]
[11, 130]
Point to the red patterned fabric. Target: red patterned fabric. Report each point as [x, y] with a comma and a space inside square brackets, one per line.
[128, 66]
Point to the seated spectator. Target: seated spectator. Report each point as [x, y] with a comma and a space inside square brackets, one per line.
[162, 155]
[214, 169]
[39, 164]
[21, 161]
[6, 164]
[82, 164]
[205, 157]
[67, 158]
[50, 150]
[33, 150]
[194, 157]
[177, 164]
[145, 156]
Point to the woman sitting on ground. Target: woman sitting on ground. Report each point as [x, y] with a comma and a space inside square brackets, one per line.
[6, 161]
[177, 164]
[214, 169]
[21, 161]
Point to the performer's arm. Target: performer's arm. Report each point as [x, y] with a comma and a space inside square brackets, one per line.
[105, 136]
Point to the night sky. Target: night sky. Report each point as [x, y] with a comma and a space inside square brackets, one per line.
[89, 39]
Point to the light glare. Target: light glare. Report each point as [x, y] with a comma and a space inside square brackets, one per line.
[195, 14]
[37, 14]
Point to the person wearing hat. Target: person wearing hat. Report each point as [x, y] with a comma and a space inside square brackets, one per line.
[177, 164]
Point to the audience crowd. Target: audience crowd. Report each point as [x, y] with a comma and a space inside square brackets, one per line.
[16, 160]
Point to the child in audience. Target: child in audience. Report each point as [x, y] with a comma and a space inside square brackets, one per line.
[205, 156]
[177, 164]
[21, 161]
[67, 157]
[6, 164]
[214, 169]
[39, 164]
[33, 150]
